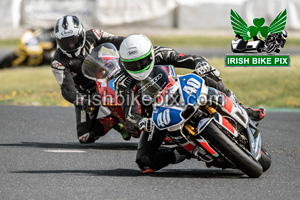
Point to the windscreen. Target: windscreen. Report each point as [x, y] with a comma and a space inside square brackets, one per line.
[101, 63]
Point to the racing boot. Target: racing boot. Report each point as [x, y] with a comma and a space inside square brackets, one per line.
[164, 157]
[255, 114]
[122, 130]
[112, 122]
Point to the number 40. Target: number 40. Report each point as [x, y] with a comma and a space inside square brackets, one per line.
[163, 118]
[192, 86]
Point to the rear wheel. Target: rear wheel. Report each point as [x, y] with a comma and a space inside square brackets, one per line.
[265, 159]
[239, 157]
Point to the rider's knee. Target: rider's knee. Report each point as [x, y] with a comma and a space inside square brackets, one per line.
[89, 133]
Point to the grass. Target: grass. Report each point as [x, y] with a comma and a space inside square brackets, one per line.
[8, 42]
[268, 87]
[30, 86]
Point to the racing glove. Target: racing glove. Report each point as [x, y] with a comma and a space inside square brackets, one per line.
[203, 68]
[146, 124]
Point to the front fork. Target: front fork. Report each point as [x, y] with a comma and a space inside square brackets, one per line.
[191, 129]
[223, 123]
[204, 151]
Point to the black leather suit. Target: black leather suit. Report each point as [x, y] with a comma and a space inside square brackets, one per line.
[67, 71]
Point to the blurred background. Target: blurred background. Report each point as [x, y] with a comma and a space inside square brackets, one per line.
[200, 27]
[191, 15]
[199, 15]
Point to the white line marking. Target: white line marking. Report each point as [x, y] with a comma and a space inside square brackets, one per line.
[65, 151]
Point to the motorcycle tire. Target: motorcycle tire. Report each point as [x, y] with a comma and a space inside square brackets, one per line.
[265, 159]
[6, 62]
[239, 157]
[271, 47]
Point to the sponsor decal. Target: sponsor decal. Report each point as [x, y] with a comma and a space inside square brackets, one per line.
[57, 65]
[130, 53]
[66, 32]
[84, 138]
[103, 84]
[151, 82]
[97, 33]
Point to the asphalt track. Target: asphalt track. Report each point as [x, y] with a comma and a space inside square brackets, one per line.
[41, 159]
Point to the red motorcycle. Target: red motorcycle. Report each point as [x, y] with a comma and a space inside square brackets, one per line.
[101, 65]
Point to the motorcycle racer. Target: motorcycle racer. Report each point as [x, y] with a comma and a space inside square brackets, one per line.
[275, 41]
[138, 57]
[74, 44]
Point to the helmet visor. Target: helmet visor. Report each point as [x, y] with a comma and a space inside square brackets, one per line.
[139, 64]
[72, 43]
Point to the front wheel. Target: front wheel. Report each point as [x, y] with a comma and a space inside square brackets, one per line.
[240, 158]
[265, 159]
[271, 47]
[6, 62]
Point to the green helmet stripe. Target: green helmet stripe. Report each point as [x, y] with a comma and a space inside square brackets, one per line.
[136, 59]
[142, 70]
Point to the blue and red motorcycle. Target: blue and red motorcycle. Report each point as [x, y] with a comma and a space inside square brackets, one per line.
[205, 122]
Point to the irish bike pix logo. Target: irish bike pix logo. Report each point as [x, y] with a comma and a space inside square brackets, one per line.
[258, 45]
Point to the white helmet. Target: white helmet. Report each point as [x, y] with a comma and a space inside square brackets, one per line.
[137, 56]
[70, 34]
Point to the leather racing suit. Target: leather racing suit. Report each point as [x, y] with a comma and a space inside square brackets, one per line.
[67, 71]
[148, 155]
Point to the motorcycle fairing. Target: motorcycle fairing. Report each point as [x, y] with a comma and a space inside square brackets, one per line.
[219, 119]
[191, 88]
[191, 146]
[254, 140]
[107, 92]
[166, 117]
[225, 124]
[235, 111]
[207, 147]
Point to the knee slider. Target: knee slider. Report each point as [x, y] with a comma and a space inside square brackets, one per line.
[88, 132]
